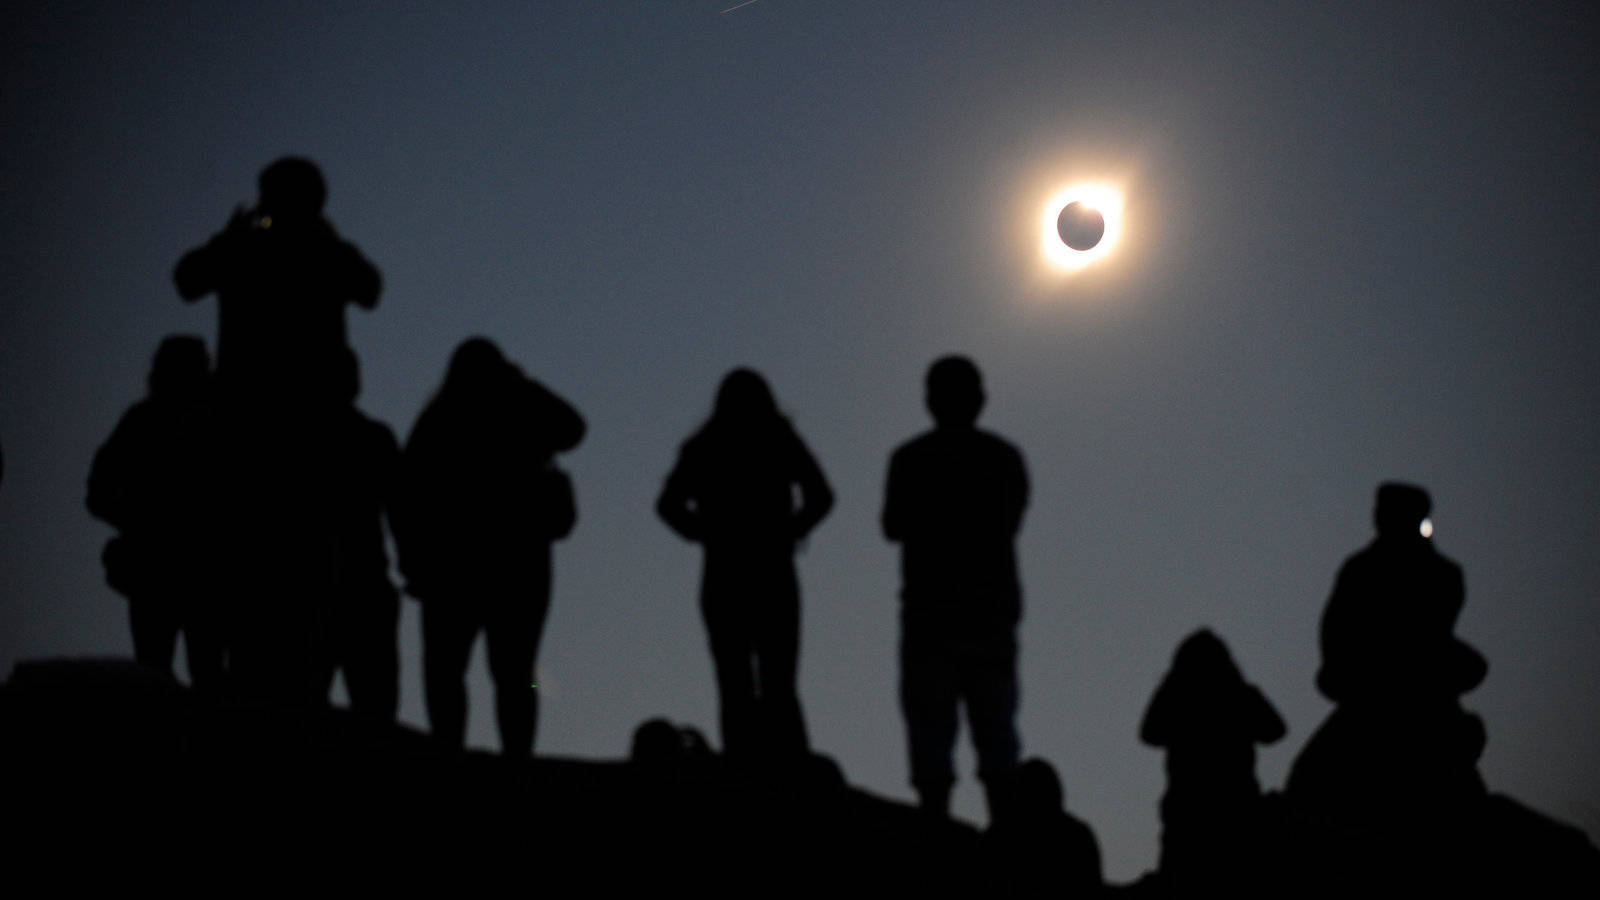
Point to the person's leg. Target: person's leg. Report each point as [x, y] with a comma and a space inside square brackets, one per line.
[203, 644]
[725, 606]
[731, 650]
[777, 652]
[372, 663]
[514, 629]
[989, 684]
[155, 632]
[447, 636]
[928, 700]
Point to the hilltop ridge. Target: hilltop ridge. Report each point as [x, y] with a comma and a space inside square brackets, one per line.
[117, 773]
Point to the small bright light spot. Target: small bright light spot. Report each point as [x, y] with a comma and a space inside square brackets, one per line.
[1427, 528]
[1102, 198]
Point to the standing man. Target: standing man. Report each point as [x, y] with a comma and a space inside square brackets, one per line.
[282, 276]
[954, 504]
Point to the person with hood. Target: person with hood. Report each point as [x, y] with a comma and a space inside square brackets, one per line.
[478, 502]
[154, 481]
[1209, 720]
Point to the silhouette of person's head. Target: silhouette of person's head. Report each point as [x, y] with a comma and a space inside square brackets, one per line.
[1400, 509]
[744, 399]
[292, 189]
[477, 365]
[1036, 790]
[954, 392]
[181, 367]
[656, 742]
[1203, 658]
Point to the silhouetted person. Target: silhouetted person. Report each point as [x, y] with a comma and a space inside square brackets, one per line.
[282, 277]
[1398, 755]
[479, 502]
[1388, 629]
[362, 607]
[154, 481]
[1209, 720]
[954, 503]
[1034, 847]
[661, 747]
[733, 491]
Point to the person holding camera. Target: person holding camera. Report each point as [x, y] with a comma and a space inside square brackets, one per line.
[282, 276]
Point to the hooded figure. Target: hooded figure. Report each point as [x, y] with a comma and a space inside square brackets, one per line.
[478, 503]
[154, 480]
[1209, 720]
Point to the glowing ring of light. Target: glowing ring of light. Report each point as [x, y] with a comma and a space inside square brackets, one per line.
[1103, 198]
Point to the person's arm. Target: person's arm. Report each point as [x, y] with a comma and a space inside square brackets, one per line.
[816, 497]
[359, 280]
[1334, 639]
[109, 478]
[676, 504]
[415, 518]
[1017, 492]
[1267, 724]
[388, 462]
[893, 518]
[1156, 729]
[560, 426]
[200, 270]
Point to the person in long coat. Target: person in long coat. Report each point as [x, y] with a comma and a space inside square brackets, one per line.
[478, 504]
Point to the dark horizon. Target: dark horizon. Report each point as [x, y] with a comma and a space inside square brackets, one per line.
[1361, 244]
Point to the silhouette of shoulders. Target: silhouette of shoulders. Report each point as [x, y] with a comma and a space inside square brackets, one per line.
[950, 481]
[1209, 719]
[1389, 622]
[735, 477]
[282, 276]
[742, 490]
[954, 502]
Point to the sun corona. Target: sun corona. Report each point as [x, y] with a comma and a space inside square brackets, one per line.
[1102, 199]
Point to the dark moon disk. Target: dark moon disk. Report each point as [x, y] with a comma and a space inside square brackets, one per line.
[1080, 227]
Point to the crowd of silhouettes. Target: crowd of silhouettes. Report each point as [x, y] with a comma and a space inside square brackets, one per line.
[250, 498]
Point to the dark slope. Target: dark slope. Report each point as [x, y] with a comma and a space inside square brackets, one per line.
[118, 777]
[118, 774]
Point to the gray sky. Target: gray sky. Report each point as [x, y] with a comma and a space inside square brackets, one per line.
[1361, 243]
